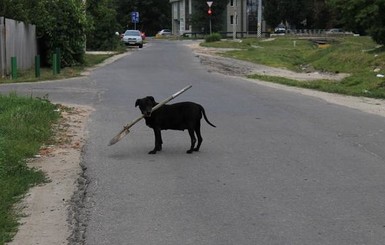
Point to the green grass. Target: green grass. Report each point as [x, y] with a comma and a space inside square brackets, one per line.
[47, 73]
[358, 56]
[25, 124]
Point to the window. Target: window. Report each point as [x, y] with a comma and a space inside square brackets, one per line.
[232, 20]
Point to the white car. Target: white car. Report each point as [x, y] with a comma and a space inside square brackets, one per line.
[164, 32]
[133, 37]
[338, 31]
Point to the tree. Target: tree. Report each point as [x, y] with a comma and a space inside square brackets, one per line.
[298, 13]
[293, 12]
[14, 9]
[272, 13]
[59, 24]
[322, 16]
[154, 15]
[362, 16]
[102, 23]
[201, 20]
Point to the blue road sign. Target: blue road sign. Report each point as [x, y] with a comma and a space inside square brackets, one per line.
[135, 17]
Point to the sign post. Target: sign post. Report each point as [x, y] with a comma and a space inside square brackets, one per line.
[135, 18]
[209, 3]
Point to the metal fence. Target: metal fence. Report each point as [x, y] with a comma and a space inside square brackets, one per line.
[17, 39]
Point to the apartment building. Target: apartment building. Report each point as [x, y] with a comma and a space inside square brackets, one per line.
[241, 17]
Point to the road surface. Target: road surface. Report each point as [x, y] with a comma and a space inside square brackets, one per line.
[280, 168]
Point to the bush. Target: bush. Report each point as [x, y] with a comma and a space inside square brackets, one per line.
[213, 38]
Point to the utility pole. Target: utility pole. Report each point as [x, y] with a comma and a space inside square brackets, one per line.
[259, 30]
[235, 20]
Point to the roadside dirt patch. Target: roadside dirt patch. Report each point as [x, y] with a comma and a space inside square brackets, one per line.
[228, 66]
[45, 207]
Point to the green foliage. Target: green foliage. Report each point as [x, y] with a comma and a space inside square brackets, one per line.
[25, 124]
[362, 16]
[103, 16]
[68, 24]
[59, 24]
[201, 20]
[14, 9]
[213, 37]
[298, 13]
[154, 15]
[65, 29]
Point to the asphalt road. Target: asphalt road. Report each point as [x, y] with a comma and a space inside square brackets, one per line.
[280, 168]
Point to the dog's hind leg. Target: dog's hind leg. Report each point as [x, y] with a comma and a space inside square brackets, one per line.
[193, 140]
[198, 132]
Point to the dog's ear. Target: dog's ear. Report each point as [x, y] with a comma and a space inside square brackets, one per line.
[152, 99]
[137, 103]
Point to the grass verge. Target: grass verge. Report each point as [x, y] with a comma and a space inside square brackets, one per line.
[25, 124]
[358, 56]
[67, 72]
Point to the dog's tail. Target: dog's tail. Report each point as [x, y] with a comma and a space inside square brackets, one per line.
[204, 115]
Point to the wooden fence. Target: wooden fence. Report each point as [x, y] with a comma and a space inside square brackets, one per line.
[17, 39]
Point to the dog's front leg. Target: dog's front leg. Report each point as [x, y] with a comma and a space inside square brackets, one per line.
[158, 141]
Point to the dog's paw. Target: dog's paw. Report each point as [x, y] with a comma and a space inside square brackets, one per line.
[189, 151]
[152, 152]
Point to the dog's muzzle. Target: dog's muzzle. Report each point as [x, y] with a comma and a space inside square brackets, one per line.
[147, 114]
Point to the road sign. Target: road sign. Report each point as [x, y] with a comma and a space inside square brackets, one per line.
[135, 17]
[209, 3]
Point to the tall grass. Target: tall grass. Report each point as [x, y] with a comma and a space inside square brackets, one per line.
[25, 124]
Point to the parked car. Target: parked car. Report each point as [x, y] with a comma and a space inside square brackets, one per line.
[133, 37]
[335, 31]
[143, 34]
[279, 30]
[338, 31]
[164, 32]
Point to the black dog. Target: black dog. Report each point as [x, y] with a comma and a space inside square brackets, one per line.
[179, 116]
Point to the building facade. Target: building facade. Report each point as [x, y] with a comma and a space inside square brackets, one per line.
[181, 11]
[241, 17]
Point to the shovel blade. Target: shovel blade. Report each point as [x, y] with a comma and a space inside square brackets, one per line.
[118, 137]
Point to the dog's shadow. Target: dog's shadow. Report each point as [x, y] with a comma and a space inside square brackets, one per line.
[172, 152]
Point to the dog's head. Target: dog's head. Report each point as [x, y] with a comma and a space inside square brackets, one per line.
[145, 105]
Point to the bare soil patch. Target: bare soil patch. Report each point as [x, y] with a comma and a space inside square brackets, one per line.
[229, 66]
